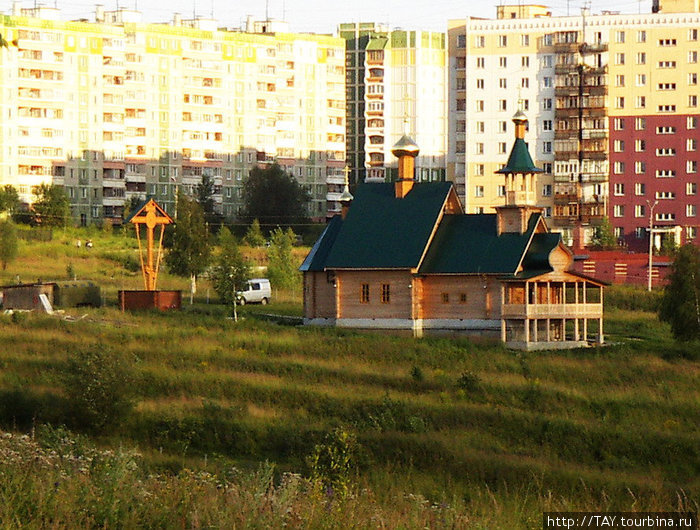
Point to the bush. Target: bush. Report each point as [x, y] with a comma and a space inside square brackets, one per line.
[332, 462]
[633, 298]
[469, 381]
[98, 387]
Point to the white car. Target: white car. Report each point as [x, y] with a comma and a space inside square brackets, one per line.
[258, 291]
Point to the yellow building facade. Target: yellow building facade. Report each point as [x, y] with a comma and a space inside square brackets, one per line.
[116, 108]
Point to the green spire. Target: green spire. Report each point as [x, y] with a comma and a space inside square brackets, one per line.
[519, 160]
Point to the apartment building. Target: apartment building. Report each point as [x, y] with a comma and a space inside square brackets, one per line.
[612, 100]
[396, 85]
[117, 108]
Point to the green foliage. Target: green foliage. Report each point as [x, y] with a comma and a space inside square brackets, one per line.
[603, 236]
[98, 384]
[8, 243]
[190, 247]
[281, 269]
[204, 195]
[332, 462]
[51, 207]
[275, 198]
[9, 199]
[231, 271]
[70, 271]
[417, 374]
[254, 236]
[680, 305]
[632, 297]
[469, 381]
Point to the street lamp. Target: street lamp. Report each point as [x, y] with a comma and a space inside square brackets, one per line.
[651, 240]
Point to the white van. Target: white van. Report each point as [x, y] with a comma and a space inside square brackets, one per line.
[258, 291]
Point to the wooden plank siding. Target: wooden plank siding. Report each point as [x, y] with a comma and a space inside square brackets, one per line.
[349, 290]
[483, 297]
[319, 295]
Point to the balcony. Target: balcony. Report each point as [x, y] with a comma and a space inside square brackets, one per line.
[595, 47]
[545, 311]
[563, 47]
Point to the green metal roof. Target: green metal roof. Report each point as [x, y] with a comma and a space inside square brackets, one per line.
[519, 160]
[384, 232]
[470, 244]
[316, 259]
[537, 256]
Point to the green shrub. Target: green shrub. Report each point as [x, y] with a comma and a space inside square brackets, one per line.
[332, 462]
[417, 374]
[469, 381]
[632, 297]
[98, 387]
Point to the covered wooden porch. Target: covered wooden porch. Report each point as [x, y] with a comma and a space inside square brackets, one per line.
[552, 311]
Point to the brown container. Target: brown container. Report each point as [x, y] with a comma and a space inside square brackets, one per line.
[162, 300]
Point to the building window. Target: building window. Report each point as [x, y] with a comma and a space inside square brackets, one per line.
[667, 108]
[386, 293]
[639, 188]
[665, 151]
[502, 41]
[547, 104]
[665, 173]
[364, 293]
[547, 148]
[641, 58]
[692, 34]
[525, 40]
[620, 102]
[502, 83]
[640, 145]
[692, 79]
[503, 62]
[480, 105]
[502, 126]
[479, 170]
[501, 190]
[691, 232]
[479, 148]
[620, 37]
[640, 167]
[619, 58]
[461, 41]
[525, 61]
[480, 62]
[547, 190]
[667, 42]
[641, 79]
[641, 102]
[618, 168]
[691, 166]
[639, 210]
[479, 84]
[480, 127]
[547, 125]
[619, 210]
[462, 298]
[547, 82]
[619, 80]
[641, 36]
[639, 232]
[692, 57]
[502, 104]
[619, 189]
[691, 188]
[691, 144]
[619, 124]
[619, 146]
[478, 191]
[640, 124]
[502, 147]
[665, 130]
[692, 101]
[691, 122]
[479, 41]
[445, 298]
[690, 210]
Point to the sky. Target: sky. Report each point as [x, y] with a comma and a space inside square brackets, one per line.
[323, 16]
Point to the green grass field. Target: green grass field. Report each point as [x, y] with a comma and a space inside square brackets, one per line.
[450, 433]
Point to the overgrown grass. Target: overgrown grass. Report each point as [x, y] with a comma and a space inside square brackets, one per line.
[450, 433]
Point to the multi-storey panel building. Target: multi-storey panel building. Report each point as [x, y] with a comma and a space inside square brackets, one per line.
[395, 85]
[118, 108]
[615, 104]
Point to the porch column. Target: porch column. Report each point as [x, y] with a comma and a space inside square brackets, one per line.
[585, 329]
[549, 330]
[503, 330]
[576, 330]
[537, 338]
[600, 329]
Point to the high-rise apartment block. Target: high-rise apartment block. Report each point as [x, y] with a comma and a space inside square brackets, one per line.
[613, 107]
[117, 108]
[396, 85]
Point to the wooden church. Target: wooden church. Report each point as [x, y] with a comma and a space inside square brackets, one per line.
[404, 256]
